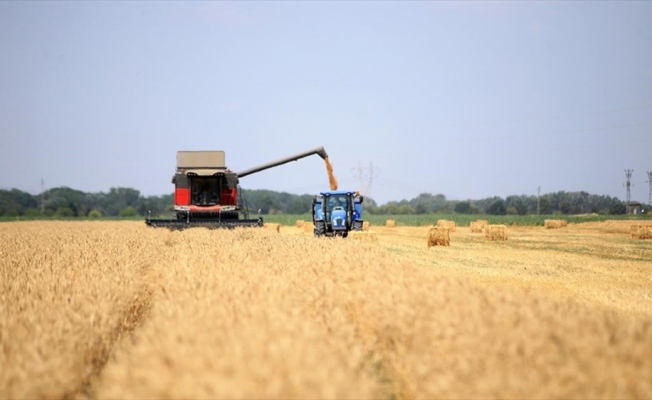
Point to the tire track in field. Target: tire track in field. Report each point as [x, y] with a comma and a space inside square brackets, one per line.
[97, 357]
[383, 359]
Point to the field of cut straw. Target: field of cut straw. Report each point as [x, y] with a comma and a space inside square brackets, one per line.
[119, 310]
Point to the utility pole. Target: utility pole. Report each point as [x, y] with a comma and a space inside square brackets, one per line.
[628, 184]
[538, 196]
[42, 196]
[649, 180]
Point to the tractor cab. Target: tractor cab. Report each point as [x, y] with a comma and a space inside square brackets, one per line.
[336, 213]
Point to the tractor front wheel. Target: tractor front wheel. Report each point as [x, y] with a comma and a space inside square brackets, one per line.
[320, 229]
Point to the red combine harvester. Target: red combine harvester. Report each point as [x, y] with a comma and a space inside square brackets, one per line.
[207, 193]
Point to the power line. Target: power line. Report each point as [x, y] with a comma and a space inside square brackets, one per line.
[365, 177]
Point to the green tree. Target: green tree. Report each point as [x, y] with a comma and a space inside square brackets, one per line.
[544, 206]
[298, 206]
[565, 207]
[390, 208]
[521, 208]
[66, 197]
[463, 207]
[32, 213]
[405, 209]
[15, 202]
[94, 214]
[369, 205]
[420, 208]
[429, 202]
[65, 212]
[128, 212]
[497, 207]
[618, 209]
[265, 204]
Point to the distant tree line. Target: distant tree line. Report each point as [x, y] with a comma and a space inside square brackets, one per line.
[66, 202]
[552, 203]
[127, 202]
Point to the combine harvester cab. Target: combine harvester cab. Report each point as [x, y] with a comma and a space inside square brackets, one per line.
[335, 213]
[207, 193]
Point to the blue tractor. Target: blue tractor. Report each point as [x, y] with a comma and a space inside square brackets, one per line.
[335, 213]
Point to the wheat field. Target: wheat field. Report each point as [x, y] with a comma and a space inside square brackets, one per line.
[118, 310]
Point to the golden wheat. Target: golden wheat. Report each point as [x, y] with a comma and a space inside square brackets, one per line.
[68, 293]
[118, 310]
[272, 226]
[365, 235]
[308, 227]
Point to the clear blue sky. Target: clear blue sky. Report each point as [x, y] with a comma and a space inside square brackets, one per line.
[468, 99]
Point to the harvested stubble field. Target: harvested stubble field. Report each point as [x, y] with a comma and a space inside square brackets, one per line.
[119, 310]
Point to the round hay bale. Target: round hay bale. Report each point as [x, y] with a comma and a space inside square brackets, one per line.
[447, 224]
[308, 227]
[634, 230]
[365, 225]
[390, 223]
[641, 231]
[438, 236]
[552, 224]
[300, 223]
[645, 232]
[496, 232]
[365, 236]
[476, 227]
